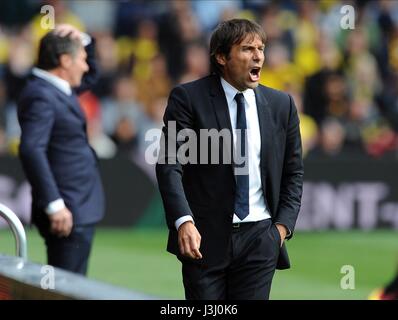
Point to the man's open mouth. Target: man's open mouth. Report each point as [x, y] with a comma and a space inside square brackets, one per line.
[255, 74]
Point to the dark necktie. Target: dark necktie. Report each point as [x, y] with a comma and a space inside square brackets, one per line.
[242, 178]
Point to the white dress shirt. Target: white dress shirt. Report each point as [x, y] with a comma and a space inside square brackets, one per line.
[257, 208]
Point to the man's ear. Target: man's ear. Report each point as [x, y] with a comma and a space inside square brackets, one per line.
[221, 59]
[65, 61]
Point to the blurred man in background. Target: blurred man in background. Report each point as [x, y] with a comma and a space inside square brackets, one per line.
[228, 222]
[60, 165]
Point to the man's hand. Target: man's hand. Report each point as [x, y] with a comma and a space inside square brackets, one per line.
[61, 222]
[189, 240]
[282, 232]
[64, 30]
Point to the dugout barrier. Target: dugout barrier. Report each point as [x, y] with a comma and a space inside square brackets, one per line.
[24, 280]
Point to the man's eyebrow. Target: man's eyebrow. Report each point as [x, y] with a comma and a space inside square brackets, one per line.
[252, 45]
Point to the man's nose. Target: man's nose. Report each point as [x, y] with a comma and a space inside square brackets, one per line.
[257, 55]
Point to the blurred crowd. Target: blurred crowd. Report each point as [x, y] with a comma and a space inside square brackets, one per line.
[343, 81]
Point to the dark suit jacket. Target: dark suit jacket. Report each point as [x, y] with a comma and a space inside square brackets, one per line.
[54, 150]
[207, 191]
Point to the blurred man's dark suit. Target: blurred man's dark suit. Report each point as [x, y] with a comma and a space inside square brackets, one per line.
[207, 191]
[59, 162]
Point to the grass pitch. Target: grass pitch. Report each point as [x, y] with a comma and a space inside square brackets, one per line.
[137, 259]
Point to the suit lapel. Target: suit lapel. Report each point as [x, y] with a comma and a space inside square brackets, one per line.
[73, 104]
[220, 107]
[71, 101]
[77, 107]
[266, 128]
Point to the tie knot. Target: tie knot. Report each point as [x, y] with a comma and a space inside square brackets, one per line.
[240, 99]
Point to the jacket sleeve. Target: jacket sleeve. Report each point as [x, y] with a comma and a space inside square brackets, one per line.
[36, 118]
[169, 171]
[90, 78]
[292, 174]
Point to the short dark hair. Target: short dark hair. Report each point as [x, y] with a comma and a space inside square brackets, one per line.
[229, 33]
[52, 46]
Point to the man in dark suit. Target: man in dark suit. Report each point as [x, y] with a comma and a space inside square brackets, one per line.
[228, 222]
[67, 194]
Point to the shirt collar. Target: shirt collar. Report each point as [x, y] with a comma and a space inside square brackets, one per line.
[231, 91]
[57, 82]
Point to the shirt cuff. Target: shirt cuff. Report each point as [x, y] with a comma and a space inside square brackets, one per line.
[182, 220]
[86, 39]
[55, 206]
